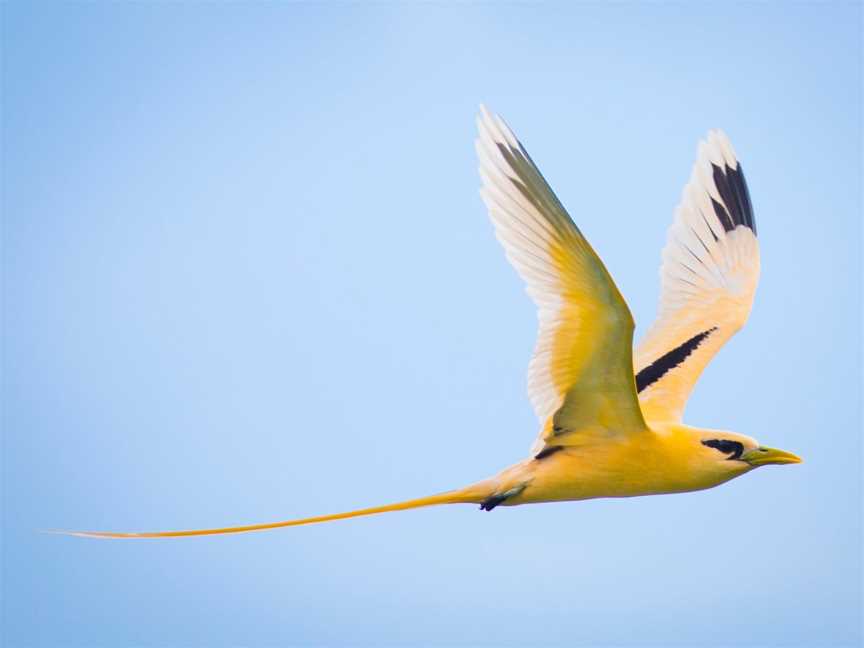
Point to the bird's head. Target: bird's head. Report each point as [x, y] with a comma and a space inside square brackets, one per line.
[737, 453]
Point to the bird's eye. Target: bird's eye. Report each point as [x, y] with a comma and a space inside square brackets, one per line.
[732, 448]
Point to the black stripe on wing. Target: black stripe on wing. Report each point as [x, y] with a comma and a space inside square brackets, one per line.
[668, 361]
[736, 208]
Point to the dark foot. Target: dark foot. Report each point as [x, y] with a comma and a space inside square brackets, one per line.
[491, 502]
[494, 500]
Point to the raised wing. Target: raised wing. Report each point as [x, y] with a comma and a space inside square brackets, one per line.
[708, 280]
[580, 379]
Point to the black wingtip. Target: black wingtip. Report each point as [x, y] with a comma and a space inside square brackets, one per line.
[736, 208]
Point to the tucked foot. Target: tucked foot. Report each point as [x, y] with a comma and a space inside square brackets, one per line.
[494, 500]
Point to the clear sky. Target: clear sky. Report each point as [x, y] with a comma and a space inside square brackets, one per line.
[248, 276]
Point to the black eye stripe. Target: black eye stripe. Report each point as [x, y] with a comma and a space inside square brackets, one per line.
[733, 448]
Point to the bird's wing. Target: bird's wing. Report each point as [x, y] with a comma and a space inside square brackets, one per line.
[580, 379]
[708, 280]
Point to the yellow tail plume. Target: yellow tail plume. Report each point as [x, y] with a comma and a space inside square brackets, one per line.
[464, 496]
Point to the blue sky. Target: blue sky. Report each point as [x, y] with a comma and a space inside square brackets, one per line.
[248, 276]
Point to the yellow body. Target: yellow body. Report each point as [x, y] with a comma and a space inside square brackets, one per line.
[651, 462]
[602, 433]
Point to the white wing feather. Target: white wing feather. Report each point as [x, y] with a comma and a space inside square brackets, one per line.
[581, 373]
[708, 277]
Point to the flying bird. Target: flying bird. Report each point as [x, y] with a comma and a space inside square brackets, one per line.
[610, 422]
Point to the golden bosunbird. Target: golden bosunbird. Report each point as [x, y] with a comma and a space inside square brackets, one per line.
[610, 425]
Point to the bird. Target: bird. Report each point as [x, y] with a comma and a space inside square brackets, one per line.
[610, 418]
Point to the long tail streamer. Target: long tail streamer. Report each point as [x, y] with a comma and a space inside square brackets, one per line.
[450, 497]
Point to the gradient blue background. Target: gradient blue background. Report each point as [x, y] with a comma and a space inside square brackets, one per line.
[247, 277]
